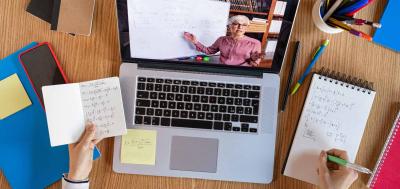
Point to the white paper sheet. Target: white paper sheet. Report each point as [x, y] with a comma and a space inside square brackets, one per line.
[156, 27]
[333, 116]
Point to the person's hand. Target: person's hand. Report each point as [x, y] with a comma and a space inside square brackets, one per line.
[190, 37]
[332, 175]
[81, 154]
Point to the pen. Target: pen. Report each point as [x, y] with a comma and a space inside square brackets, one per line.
[339, 24]
[293, 67]
[332, 9]
[313, 61]
[347, 164]
[357, 21]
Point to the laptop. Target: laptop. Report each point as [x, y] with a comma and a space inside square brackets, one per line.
[215, 119]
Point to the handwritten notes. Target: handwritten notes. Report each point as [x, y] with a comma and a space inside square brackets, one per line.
[13, 97]
[70, 106]
[157, 25]
[139, 147]
[102, 105]
[333, 116]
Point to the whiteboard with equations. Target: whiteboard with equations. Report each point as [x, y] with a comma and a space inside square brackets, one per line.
[156, 27]
[333, 116]
[70, 106]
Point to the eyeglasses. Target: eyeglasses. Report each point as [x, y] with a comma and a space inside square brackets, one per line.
[237, 24]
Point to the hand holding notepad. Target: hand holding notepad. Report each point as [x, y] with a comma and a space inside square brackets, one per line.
[69, 106]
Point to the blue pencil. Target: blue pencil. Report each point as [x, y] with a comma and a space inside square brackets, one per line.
[352, 7]
[313, 61]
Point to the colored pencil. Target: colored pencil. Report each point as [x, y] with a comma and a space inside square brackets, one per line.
[350, 29]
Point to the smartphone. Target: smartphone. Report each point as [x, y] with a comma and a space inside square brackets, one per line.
[42, 67]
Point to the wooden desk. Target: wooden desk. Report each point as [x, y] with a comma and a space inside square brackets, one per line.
[97, 56]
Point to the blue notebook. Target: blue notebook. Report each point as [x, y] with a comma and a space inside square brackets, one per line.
[27, 160]
[389, 35]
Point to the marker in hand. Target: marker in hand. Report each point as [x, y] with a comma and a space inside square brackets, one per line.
[347, 164]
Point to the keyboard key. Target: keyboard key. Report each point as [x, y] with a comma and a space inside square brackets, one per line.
[254, 94]
[167, 113]
[222, 108]
[243, 94]
[141, 111]
[180, 105]
[155, 121]
[245, 127]
[142, 79]
[192, 90]
[226, 92]
[248, 110]
[149, 86]
[214, 108]
[203, 83]
[239, 110]
[248, 119]
[184, 89]
[205, 107]
[256, 88]
[147, 120]
[238, 101]
[165, 121]
[167, 88]
[231, 109]
[168, 81]
[227, 126]
[226, 117]
[197, 107]
[195, 83]
[246, 102]
[141, 86]
[200, 90]
[187, 98]
[170, 96]
[246, 87]
[177, 81]
[195, 98]
[229, 86]
[185, 82]
[153, 95]
[149, 111]
[158, 87]
[138, 119]
[238, 86]
[154, 103]
[229, 101]
[158, 112]
[253, 130]
[192, 115]
[178, 97]
[175, 88]
[217, 116]
[201, 115]
[171, 105]
[218, 125]
[209, 116]
[188, 106]
[221, 100]
[143, 103]
[204, 99]
[236, 129]
[163, 104]
[212, 84]
[159, 81]
[209, 91]
[184, 114]
[213, 99]
[255, 103]
[221, 85]
[235, 93]
[198, 124]
[151, 80]
[175, 113]
[234, 118]
[218, 92]
[162, 96]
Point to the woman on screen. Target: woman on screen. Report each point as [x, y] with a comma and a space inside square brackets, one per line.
[236, 49]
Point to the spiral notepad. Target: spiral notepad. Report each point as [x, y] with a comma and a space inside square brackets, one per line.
[386, 172]
[334, 115]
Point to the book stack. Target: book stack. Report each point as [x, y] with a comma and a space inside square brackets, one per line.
[250, 5]
[257, 25]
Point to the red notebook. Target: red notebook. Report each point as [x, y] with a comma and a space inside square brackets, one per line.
[386, 173]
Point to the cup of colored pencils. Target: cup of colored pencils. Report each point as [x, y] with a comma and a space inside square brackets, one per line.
[335, 16]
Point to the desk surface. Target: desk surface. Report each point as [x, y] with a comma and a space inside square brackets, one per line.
[86, 58]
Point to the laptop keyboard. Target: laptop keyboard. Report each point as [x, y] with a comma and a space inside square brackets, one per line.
[196, 104]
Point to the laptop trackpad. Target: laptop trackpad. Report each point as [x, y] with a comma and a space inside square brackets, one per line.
[194, 154]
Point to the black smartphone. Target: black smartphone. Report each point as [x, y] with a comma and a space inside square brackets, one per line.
[42, 67]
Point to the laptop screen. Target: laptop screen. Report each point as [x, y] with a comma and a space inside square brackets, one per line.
[251, 34]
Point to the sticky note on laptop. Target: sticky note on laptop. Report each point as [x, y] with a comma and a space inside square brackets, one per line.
[139, 147]
[13, 97]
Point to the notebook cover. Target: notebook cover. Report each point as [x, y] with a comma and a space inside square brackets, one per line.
[386, 174]
[388, 35]
[41, 8]
[27, 159]
[75, 16]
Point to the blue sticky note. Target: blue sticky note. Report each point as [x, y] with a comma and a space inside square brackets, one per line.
[27, 160]
[389, 35]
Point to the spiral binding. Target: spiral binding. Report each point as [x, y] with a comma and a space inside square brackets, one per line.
[347, 80]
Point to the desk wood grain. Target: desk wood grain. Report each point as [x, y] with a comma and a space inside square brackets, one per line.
[97, 56]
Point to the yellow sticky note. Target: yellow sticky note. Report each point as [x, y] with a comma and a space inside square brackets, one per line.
[139, 147]
[13, 97]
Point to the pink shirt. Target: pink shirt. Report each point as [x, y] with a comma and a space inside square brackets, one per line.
[233, 52]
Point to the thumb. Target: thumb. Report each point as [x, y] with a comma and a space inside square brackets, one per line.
[89, 133]
[322, 167]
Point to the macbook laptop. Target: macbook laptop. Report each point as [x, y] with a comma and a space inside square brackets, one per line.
[215, 116]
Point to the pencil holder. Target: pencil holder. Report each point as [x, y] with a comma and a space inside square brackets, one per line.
[319, 22]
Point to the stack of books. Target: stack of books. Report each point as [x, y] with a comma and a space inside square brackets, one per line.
[257, 25]
[250, 5]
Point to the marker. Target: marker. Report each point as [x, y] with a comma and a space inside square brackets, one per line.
[313, 61]
[332, 9]
[353, 166]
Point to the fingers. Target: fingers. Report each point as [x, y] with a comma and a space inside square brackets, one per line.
[339, 153]
[89, 133]
[322, 167]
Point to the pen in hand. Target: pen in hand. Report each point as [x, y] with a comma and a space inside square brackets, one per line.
[347, 164]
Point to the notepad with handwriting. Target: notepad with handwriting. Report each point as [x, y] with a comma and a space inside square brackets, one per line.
[334, 116]
[70, 106]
